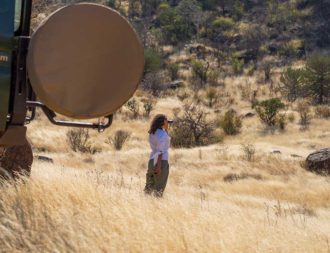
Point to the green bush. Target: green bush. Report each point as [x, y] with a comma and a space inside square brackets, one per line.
[174, 27]
[231, 123]
[268, 111]
[238, 66]
[153, 61]
[223, 23]
[200, 70]
[292, 83]
[173, 69]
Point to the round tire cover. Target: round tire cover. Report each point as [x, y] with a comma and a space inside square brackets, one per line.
[85, 61]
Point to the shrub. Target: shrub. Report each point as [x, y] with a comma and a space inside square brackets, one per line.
[304, 111]
[231, 123]
[78, 140]
[223, 23]
[153, 61]
[119, 139]
[213, 77]
[281, 121]
[249, 151]
[173, 69]
[268, 110]
[192, 128]
[238, 66]
[200, 71]
[322, 111]
[174, 27]
[293, 48]
[291, 117]
[148, 107]
[133, 106]
[153, 82]
[212, 96]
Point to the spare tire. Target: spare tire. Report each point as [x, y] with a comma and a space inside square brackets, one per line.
[85, 61]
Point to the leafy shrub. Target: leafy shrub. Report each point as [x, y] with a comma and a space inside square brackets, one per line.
[174, 27]
[268, 110]
[223, 23]
[322, 111]
[153, 61]
[231, 123]
[238, 66]
[78, 140]
[191, 128]
[200, 70]
[119, 139]
[281, 121]
[173, 69]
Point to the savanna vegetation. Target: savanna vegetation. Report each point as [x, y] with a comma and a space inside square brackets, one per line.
[247, 83]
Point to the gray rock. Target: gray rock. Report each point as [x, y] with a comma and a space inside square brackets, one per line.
[44, 159]
[319, 161]
[276, 152]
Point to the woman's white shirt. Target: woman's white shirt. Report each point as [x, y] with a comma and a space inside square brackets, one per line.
[160, 144]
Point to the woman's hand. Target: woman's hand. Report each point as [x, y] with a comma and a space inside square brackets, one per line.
[158, 170]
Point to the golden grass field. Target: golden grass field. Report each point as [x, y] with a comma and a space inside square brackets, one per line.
[95, 203]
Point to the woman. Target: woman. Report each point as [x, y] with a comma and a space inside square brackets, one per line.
[158, 167]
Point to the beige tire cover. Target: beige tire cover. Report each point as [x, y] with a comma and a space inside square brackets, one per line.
[85, 61]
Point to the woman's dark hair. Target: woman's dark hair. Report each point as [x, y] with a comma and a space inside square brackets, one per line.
[157, 123]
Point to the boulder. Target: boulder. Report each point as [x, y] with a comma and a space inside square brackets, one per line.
[319, 161]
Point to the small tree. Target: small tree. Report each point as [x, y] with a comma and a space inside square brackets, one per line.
[318, 77]
[268, 110]
[291, 80]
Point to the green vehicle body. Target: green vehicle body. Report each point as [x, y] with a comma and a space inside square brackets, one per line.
[7, 44]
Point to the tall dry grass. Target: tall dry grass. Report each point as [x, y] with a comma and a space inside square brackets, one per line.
[103, 209]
